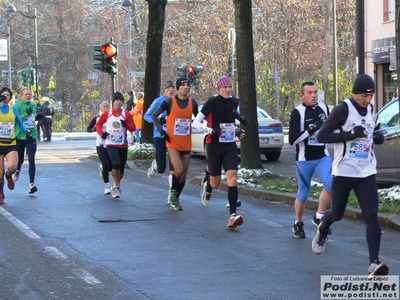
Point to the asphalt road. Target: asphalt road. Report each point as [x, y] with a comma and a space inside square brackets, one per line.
[69, 241]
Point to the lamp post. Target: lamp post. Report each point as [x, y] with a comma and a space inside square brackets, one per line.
[129, 5]
[12, 9]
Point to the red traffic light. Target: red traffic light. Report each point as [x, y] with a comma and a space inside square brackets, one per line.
[109, 49]
[190, 71]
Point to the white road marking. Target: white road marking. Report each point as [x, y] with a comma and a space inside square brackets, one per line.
[86, 276]
[273, 224]
[21, 226]
[55, 252]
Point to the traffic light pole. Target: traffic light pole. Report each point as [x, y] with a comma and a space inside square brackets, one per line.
[112, 85]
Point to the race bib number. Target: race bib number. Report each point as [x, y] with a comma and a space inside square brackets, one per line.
[116, 138]
[7, 129]
[360, 149]
[227, 132]
[182, 126]
[30, 122]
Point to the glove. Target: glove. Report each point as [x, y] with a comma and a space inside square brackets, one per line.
[242, 121]
[379, 137]
[164, 135]
[28, 135]
[358, 132]
[29, 111]
[314, 127]
[104, 135]
[163, 120]
[2, 98]
[123, 123]
[238, 132]
[216, 132]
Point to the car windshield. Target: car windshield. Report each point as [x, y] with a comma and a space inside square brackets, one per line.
[261, 114]
[389, 116]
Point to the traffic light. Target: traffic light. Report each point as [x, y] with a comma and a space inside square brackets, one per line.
[99, 57]
[107, 57]
[197, 74]
[32, 76]
[190, 73]
[110, 58]
[182, 71]
[24, 77]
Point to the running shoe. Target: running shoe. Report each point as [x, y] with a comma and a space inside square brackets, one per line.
[319, 242]
[378, 269]
[100, 167]
[15, 176]
[317, 221]
[298, 230]
[10, 182]
[234, 221]
[150, 171]
[32, 188]
[2, 198]
[174, 200]
[238, 203]
[107, 190]
[205, 196]
[116, 191]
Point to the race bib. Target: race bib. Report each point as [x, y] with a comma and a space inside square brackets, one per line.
[360, 149]
[182, 126]
[30, 122]
[227, 132]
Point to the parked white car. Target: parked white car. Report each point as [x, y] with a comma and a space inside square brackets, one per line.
[269, 130]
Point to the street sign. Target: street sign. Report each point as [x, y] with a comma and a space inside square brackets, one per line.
[137, 74]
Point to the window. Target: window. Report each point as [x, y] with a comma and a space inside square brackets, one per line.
[388, 10]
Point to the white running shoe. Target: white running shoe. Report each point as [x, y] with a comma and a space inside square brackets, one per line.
[319, 242]
[32, 188]
[107, 190]
[15, 176]
[116, 192]
[150, 171]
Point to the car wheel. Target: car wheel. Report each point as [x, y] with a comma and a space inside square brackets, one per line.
[273, 156]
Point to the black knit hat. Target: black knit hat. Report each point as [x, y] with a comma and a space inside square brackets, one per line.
[118, 95]
[179, 82]
[363, 84]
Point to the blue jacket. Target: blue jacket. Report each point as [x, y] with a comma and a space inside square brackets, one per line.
[147, 116]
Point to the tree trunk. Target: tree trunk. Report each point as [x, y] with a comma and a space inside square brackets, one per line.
[153, 61]
[250, 147]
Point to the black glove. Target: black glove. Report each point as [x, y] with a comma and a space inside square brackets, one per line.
[2, 98]
[242, 121]
[164, 135]
[104, 135]
[216, 132]
[314, 127]
[379, 137]
[123, 123]
[358, 132]
[238, 131]
[163, 120]
[28, 135]
[29, 111]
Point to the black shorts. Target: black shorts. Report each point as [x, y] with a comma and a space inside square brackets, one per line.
[4, 150]
[222, 154]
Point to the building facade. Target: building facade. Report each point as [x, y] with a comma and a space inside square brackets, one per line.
[380, 48]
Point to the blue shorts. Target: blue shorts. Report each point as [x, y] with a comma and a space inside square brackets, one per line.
[304, 172]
